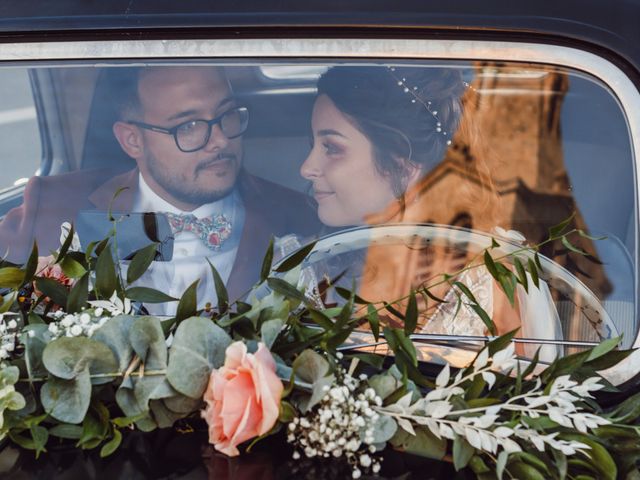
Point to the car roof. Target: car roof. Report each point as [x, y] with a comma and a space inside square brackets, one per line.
[610, 26]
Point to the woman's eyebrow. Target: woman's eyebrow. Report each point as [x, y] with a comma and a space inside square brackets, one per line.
[326, 132]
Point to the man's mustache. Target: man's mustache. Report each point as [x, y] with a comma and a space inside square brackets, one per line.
[223, 157]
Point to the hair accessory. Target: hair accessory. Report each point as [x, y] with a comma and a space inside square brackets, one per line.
[408, 89]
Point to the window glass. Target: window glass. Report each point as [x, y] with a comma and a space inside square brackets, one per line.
[20, 146]
[404, 170]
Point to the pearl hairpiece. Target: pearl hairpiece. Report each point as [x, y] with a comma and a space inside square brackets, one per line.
[408, 89]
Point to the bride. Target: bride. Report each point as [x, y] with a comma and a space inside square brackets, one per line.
[377, 132]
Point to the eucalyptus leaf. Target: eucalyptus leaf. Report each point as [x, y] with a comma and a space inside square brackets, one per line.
[312, 368]
[69, 357]
[384, 384]
[67, 400]
[115, 335]
[198, 347]
[34, 346]
[384, 428]
[126, 399]
[462, 452]
[147, 339]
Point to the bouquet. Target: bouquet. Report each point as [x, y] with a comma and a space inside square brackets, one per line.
[82, 363]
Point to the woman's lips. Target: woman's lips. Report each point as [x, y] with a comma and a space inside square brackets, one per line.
[321, 195]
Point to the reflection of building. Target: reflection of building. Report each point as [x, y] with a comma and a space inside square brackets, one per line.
[506, 168]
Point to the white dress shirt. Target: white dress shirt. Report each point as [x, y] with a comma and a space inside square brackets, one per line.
[190, 254]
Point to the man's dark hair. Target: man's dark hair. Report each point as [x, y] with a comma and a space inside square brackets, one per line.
[121, 87]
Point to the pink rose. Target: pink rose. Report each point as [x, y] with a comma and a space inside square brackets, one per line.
[243, 398]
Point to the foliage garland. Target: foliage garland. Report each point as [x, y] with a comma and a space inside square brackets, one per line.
[79, 364]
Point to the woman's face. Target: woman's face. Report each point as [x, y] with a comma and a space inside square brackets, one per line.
[346, 183]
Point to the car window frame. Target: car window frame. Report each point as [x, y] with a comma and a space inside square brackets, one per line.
[371, 49]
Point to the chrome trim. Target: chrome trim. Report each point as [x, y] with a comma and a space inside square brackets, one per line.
[103, 51]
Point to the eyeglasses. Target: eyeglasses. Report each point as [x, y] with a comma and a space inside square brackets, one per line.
[193, 135]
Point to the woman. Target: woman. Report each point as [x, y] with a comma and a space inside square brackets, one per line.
[379, 135]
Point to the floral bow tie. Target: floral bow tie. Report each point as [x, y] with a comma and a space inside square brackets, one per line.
[213, 231]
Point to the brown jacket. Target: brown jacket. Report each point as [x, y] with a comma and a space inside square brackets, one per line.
[49, 201]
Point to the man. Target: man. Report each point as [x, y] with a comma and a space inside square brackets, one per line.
[183, 128]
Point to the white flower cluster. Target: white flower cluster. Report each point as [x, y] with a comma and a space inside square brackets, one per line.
[82, 324]
[342, 424]
[482, 426]
[9, 335]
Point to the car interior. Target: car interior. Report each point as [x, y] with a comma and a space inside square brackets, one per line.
[577, 160]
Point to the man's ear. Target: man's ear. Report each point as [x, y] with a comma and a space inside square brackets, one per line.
[130, 139]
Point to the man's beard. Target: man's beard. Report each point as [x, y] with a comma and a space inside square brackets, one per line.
[185, 191]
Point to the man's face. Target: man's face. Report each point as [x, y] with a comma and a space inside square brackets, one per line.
[168, 97]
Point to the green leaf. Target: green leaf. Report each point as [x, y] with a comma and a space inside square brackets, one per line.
[7, 301]
[348, 295]
[267, 262]
[393, 311]
[464, 289]
[524, 471]
[115, 335]
[321, 319]
[198, 346]
[284, 288]
[423, 443]
[522, 274]
[560, 460]
[602, 348]
[188, 305]
[52, 289]
[491, 266]
[32, 264]
[462, 453]
[536, 259]
[501, 342]
[287, 412]
[374, 321]
[582, 233]
[411, 314]
[40, 435]
[507, 282]
[571, 247]
[372, 359]
[66, 431]
[79, 295]
[64, 248]
[556, 230]
[295, 259]
[148, 295]
[141, 262]
[484, 316]
[11, 277]
[534, 272]
[221, 290]
[112, 445]
[72, 268]
[270, 330]
[106, 281]
[598, 456]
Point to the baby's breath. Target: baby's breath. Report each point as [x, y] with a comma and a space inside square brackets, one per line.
[342, 424]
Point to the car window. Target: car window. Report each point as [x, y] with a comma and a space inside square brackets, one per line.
[20, 146]
[404, 169]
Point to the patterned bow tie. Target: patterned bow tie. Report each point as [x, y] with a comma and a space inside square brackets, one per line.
[213, 231]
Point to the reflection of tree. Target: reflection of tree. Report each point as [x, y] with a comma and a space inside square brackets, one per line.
[505, 168]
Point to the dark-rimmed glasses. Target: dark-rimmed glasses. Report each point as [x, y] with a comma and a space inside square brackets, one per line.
[193, 135]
